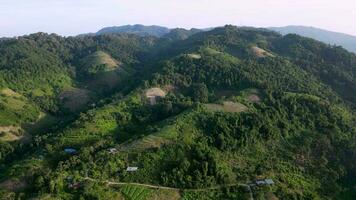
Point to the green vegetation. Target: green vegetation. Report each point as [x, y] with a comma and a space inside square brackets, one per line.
[223, 119]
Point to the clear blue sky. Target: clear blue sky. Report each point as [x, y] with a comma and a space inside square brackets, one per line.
[71, 17]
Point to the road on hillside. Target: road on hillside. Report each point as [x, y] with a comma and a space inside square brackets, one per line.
[175, 189]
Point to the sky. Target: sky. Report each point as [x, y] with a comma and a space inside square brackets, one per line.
[72, 17]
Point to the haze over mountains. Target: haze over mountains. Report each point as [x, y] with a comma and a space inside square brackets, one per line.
[329, 37]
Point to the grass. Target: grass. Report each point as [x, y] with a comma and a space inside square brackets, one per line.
[164, 136]
[165, 194]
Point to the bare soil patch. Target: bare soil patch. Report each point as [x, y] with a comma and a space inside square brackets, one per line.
[260, 53]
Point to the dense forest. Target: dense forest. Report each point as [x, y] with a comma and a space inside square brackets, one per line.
[229, 113]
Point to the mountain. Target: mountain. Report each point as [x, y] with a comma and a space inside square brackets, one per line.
[138, 29]
[228, 113]
[329, 37]
[157, 31]
[181, 34]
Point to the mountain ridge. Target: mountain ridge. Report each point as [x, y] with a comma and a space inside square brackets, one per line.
[330, 37]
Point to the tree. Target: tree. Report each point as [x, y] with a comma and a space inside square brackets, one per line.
[200, 92]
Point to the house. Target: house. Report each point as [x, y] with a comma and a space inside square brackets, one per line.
[74, 186]
[131, 169]
[70, 150]
[112, 150]
[261, 182]
[153, 94]
[269, 181]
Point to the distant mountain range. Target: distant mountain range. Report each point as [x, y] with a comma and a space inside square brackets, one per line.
[138, 29]
[142, 30]
[329, 37]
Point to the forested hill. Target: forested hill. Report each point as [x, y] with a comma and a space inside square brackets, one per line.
[204, 114]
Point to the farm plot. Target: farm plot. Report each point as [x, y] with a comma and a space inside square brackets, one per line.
[132, 192]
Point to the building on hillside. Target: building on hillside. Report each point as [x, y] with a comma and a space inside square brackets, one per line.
[131, 169]
[74, 186]
[70, 150]
[261, 182]
[112, 150]
[154, 94]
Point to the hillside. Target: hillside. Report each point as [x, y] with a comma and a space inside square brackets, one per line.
[329, 37]
[229, 113]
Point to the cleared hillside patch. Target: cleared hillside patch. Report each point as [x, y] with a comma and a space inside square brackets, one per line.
[98, 62]
[227, 106]
[259, 52]
[14, 133]
[194, 55]
[105, 73]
